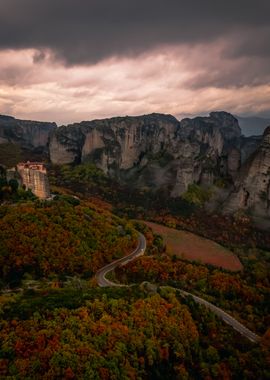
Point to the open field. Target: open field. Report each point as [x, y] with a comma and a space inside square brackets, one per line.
[193, 247]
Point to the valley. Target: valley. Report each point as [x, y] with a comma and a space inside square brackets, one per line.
[134, 190]
[76, 287]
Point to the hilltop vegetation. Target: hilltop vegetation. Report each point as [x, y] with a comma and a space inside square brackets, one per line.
[239, 294]
[105, 338]
[57, 238]
[121, 334]
[60, 325]
[11, 192]
[87, 180]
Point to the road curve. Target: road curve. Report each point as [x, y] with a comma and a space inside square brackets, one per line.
[101, 274]
[103, 282]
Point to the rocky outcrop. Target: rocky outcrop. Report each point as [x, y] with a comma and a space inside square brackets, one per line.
[27, 134]
[252, 186]
[211, 146]
[154, 150]
[115, 144]
[159, 152]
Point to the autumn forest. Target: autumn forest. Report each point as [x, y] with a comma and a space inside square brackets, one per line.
[57, 323]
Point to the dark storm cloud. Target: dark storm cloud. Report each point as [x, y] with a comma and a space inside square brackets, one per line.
[224, 71]
[82, 31]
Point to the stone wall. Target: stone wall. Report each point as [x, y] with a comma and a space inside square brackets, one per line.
[34, 177]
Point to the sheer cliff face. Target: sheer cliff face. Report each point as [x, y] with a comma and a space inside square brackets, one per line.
[28, 134]
[252, 187]
[155, 150]
[158, 152]
[117, 143]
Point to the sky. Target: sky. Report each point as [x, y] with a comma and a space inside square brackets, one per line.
[73, 60]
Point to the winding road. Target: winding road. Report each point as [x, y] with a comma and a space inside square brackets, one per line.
[101, 274]
[103, 282]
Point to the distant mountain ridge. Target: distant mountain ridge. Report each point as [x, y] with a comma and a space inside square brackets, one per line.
[158, 152]
[253, 125]
[26, 133]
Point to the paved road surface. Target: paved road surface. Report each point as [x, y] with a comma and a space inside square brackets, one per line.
[101, 274]
[224, 316]
[102, 281]
[228, 319]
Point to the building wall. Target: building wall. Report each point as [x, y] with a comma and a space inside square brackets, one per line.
[34, 177]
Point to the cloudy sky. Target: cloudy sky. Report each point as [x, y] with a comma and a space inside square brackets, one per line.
[72, 60]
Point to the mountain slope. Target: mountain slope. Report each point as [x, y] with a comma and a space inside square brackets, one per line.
[58, 238]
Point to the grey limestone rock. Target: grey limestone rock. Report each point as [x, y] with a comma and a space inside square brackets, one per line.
[28, 134]
[154, 150]
[157, 151]
[252, 186]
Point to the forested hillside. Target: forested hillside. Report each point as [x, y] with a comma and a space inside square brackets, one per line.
[57, 238]
[56, 323]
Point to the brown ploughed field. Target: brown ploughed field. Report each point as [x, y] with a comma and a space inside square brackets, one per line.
[196, 248]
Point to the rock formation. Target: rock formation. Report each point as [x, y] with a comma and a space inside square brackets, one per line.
[113, 143]
[252, 185]
[159, 152]
[154, 150]
[27, 134]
